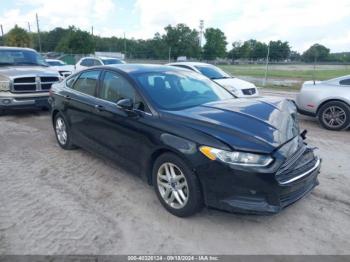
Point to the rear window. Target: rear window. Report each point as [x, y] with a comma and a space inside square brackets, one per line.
[345, 82]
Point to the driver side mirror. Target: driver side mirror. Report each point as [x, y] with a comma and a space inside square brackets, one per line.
[127, 105]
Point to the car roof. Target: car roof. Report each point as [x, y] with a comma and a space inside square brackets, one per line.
[141, 68]
[101, 57]
[16, 48]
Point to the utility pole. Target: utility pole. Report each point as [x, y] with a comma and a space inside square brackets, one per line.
[29, 27]
[2, 35]
[267, 64]
[201, 27]
[92, 30]
[37, 25]
[124, 47]
[169, 54]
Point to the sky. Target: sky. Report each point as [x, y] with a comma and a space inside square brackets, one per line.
[300, 22]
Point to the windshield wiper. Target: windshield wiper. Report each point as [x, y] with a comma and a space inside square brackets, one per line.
[220, 77]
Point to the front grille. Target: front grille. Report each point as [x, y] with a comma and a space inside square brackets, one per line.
[32, 84]
[24, 80]
[48, 79]
[300, 162]
[249, 91]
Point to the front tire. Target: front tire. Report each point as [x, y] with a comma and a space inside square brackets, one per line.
[334, 115]
[176, 186]
[62, 132]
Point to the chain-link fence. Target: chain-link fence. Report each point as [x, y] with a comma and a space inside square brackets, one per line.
[284, 75]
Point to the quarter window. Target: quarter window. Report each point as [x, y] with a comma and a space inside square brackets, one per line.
[70, 81]
[345, 82]
[87, 82]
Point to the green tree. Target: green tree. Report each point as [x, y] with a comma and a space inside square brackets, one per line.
[279, 50]
[234, 53]
[18, 37]
[294, 56]
[182, 40]
[316, 52]
[76, 41]
[215, 45]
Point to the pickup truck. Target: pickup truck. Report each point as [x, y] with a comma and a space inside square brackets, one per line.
[25, 79]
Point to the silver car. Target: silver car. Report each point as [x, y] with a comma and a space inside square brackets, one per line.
[328, 100]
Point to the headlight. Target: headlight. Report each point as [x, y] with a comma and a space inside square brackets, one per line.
[235, 157]
[4, 86]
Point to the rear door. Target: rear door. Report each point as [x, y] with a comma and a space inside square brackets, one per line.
[79, 106]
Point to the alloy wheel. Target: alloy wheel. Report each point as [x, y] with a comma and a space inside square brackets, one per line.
[172, 185]
[61, 131]
[334, 117]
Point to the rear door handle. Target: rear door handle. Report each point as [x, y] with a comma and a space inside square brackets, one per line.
[67, 97]
[99, 108]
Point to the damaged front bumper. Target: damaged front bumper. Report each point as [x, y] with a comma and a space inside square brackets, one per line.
[261, 191]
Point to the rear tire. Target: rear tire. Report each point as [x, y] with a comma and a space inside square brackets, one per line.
[63, 133]
[334, 115]
[176, 186]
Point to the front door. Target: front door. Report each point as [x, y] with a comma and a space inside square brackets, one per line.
[123, 137]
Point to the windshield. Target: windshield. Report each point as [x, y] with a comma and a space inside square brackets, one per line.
[111, 61]
[176, 90]
[55, 63]
[21, 57]
[212, 72]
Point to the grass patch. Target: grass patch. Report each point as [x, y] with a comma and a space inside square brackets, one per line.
[300, 72]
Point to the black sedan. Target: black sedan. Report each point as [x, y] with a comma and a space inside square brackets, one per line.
[188, 137]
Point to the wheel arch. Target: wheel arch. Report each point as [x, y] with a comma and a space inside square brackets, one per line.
[158, 152]
[331, 100]
[53, 115]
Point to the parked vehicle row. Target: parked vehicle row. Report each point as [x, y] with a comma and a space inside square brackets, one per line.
[189, 137]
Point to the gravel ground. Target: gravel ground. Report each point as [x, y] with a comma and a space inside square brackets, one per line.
[72, 202]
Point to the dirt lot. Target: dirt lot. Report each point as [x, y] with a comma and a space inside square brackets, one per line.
[72, 202]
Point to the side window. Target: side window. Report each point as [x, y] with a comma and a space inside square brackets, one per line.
[87, 82]
[345, 82]
[87, 62]
[97, 63]
[115, 87]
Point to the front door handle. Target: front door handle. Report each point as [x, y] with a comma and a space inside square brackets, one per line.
[99, 108]
[67, 97]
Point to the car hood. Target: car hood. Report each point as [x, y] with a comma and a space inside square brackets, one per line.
[255, 125]
[235, 82]
[63, 68]
[18, 71]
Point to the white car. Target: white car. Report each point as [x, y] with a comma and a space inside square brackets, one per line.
[327, 100]
[238, 87]
[61, 67]
[86, 62]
